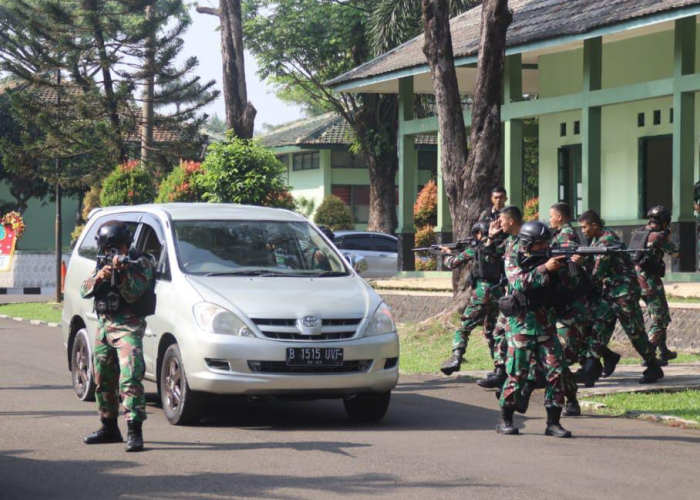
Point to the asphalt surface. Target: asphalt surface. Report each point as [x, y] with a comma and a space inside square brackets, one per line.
[437, 441]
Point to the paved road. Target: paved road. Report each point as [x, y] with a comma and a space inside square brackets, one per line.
[437, 442]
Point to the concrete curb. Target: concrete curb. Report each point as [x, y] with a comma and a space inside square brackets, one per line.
[648, 417]
[30, 321]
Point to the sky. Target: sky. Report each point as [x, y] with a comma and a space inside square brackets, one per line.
[204, 41]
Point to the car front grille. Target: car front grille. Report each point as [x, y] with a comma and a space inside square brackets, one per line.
[333, 329]
[281, 367]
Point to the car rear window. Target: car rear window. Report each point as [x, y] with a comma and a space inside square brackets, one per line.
[359, 242]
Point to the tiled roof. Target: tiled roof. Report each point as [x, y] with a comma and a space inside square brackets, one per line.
[329, 129]
[533, 20]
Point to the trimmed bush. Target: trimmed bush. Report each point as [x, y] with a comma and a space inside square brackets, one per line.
[531, 210]
[242, 171]
[424, 238]
[128, 184]
[305, 206]
[179, 186]
[425, 208]
[333, 214]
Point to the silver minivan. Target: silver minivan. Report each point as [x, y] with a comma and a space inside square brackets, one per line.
[250, 301]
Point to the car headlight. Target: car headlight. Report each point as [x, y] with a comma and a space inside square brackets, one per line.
[215, 319]
[382, 322]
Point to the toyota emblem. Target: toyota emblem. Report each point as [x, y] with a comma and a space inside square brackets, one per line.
[311, 321]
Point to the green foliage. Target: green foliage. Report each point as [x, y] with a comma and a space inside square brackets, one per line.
[333, 214]
[179, 185]
[128, 184]
[425, 236]
[684, 404]
[242, 171]
[531, 167]
[531, 210]
[425, 208]
[305, 206]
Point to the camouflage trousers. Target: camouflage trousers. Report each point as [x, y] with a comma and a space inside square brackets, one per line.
[625, 309]
[119, 371]
[573, 327]
[500, 343]
[522, 349]
[482, 309]
[657, 308]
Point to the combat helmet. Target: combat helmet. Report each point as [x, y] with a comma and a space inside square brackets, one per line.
[481, 227]
[112, 234]
[659, 215]
[531, 233]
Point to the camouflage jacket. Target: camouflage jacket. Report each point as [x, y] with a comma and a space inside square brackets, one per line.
[565, 237]
[489, 214]
[532, 321]
[659, 243]
[131, 283]
[613, 274]
[452, 261]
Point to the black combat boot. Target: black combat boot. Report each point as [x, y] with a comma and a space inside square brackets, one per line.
[134, 439]
[610, 361]
[108, 433]
[494, 380]
[572, 408]
[523, 402]
[653, 373]
[592, 368]
[580, 375]
[492, 345]
[505, 424]
[554, 427]
[453, 364]
[665, 354]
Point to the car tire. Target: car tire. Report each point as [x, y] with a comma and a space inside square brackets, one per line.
[181, 405]
[82, 369]
[369, 407]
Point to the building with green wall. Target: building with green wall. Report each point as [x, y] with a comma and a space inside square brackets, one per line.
[611, 86]
[316, 152]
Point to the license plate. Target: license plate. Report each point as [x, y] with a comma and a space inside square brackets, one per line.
[314, 356]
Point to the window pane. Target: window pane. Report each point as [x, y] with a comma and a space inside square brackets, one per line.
[382, 244]
[341, 159]
[344, 193]
[360, 204]
[315, 160]
[298, 161]
[359, 242]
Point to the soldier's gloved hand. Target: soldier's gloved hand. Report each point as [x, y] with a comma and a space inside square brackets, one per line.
[104, 274]
[554, 264]
[445, 250]
[577, 259]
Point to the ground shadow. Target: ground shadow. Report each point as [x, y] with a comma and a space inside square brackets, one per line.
[36, 388]
[333, 447]
[99, 479]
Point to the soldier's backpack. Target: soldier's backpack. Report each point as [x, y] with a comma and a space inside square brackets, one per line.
[641, 257]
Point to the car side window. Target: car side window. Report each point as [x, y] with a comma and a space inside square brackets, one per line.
[152, 241]
[88, 248]
[382, 244]
[359, 242]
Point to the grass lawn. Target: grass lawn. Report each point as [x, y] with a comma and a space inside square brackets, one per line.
[683, 300]
[684, 404]
[42, 311]
[425, 347]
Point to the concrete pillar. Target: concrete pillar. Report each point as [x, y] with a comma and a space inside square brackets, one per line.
[513, 131]
[591, 125]
[408, 170]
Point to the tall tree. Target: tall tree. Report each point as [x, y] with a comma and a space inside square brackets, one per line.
[468, 177]
[240, 113]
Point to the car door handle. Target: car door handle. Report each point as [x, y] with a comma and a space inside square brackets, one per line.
[383, 255]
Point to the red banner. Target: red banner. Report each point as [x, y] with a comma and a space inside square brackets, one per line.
[8, 241]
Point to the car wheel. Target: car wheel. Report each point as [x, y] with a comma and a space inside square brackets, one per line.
[181, 405]
[82, 367]
[368, 407]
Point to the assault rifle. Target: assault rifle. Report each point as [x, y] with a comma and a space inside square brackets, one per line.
[534, 259]
[460, 246]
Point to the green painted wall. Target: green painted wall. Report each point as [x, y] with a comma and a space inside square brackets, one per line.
[40, 221]
[625, 62]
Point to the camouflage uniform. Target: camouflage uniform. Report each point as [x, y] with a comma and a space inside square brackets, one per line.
[620, 293]
[531, 333]
[482, 305]
[119, 363]
[500, 343]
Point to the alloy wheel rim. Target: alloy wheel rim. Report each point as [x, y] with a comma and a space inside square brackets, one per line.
[173, 385]
[82, 365]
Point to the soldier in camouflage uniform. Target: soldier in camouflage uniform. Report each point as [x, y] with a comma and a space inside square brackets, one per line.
[118, 361]
[499, 196]
[650, 268]
[614, 276]
[482, 306]
[532, 330]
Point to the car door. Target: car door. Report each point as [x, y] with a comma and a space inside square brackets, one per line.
[386, 250]
[151, 239]
[87, 260]
[361, 244]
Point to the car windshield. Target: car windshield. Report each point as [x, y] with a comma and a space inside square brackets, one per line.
[254, 248]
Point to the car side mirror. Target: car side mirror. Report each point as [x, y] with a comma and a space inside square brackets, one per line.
[358, 263]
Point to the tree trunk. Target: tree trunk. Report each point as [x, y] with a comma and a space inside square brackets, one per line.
[382, 194]
[468, 176]
[149, 69]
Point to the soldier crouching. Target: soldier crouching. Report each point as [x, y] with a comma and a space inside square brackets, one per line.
[532, 329]
[122, 288]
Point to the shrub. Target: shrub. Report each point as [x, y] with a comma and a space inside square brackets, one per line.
[128, 184]
[242, 171]
[424, 238]
[425, 208]
[281, 199]
[531, 210]
[179, 186]
[333, 214]
[91, 201]
[305, 206]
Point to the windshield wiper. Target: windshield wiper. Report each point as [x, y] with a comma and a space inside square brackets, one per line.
[327, 274]
[237, 273]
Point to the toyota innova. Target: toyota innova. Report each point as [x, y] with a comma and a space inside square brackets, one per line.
[251, 301]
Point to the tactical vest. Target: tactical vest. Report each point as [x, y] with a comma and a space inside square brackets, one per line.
[109, 300]
[647, 261]
[485, 269]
